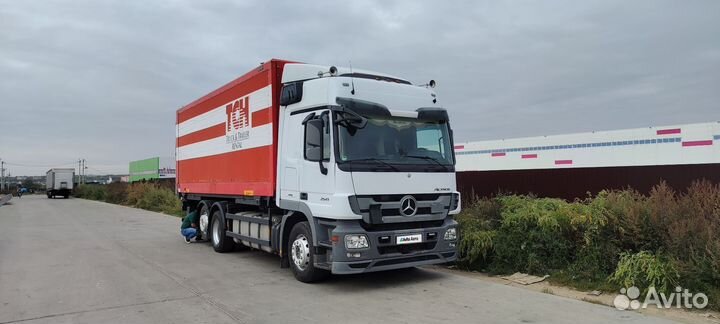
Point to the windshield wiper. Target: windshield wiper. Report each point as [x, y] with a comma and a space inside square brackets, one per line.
[429, 159]
[375, 160]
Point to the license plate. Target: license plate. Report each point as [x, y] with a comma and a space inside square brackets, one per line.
[408, 239]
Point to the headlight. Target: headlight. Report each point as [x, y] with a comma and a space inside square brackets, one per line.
[451, 234]
[356, 241]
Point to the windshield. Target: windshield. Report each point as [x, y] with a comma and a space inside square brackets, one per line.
[396, 141]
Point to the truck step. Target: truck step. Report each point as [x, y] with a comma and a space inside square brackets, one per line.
[247, 238]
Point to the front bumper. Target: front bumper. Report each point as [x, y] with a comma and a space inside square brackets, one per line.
[384, 254]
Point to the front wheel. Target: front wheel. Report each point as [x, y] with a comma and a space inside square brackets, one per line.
[302, 258]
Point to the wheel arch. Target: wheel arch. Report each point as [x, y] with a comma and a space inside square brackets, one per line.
[288, 221]
[216, 206]
[206, 203]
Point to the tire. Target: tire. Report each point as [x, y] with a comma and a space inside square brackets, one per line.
[220, 242]
[204, 210]
[66, 196]
[300, 248]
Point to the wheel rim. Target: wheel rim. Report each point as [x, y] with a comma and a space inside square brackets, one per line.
[216, 232]
[300, 252]
[204, 223]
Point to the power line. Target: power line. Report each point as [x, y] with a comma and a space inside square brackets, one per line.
[39, 166]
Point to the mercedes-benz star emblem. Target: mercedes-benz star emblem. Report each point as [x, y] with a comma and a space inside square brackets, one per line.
[408, 206]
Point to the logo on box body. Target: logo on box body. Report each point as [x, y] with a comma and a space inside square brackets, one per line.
[237, 125]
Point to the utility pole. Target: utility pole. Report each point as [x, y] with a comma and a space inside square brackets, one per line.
[2, 175]
[79, 172]
[84, 168]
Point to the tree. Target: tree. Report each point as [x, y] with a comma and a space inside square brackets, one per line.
[28, 183]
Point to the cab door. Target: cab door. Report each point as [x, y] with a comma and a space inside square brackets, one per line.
[317, 171]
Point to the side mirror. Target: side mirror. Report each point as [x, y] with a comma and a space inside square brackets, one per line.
[314, 140]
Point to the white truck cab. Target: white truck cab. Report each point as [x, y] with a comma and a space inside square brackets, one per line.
[368, 159]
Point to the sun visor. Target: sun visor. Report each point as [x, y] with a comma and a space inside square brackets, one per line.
[432, 113]
[365, 108]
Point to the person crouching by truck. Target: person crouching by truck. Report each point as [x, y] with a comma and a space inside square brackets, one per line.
[189, 227]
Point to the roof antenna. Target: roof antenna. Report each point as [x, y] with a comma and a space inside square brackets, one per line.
[352, 80]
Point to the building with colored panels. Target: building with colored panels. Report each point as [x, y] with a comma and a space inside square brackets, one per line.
[152, 168]
[573, 165]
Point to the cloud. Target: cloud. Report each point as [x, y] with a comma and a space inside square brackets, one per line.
[102, 79]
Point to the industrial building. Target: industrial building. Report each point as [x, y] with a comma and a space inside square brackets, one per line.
[573, 165]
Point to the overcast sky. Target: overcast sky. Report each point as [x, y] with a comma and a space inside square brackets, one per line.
[101, 80]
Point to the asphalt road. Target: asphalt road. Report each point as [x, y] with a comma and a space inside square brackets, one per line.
[78, 261]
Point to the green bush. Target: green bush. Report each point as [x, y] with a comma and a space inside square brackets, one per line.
[136, 192]
[117, 193]
[479, 222]
[597, 239]
[92, 192]
[535, 235]
[150, 196]
[619, 237]
[644, 269]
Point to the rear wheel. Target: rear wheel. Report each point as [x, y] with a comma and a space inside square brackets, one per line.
[221, 243]
[300, 247]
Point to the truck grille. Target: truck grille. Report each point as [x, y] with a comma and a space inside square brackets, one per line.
[396, 212]
[379, 209]
[400, 226]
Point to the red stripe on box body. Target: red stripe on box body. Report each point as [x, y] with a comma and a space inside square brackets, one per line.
[202, 135]
[697, 143]
[459, 147]
[262, 117]
[529, 156]
[668, 131]
[563, 162]
[497, 154]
